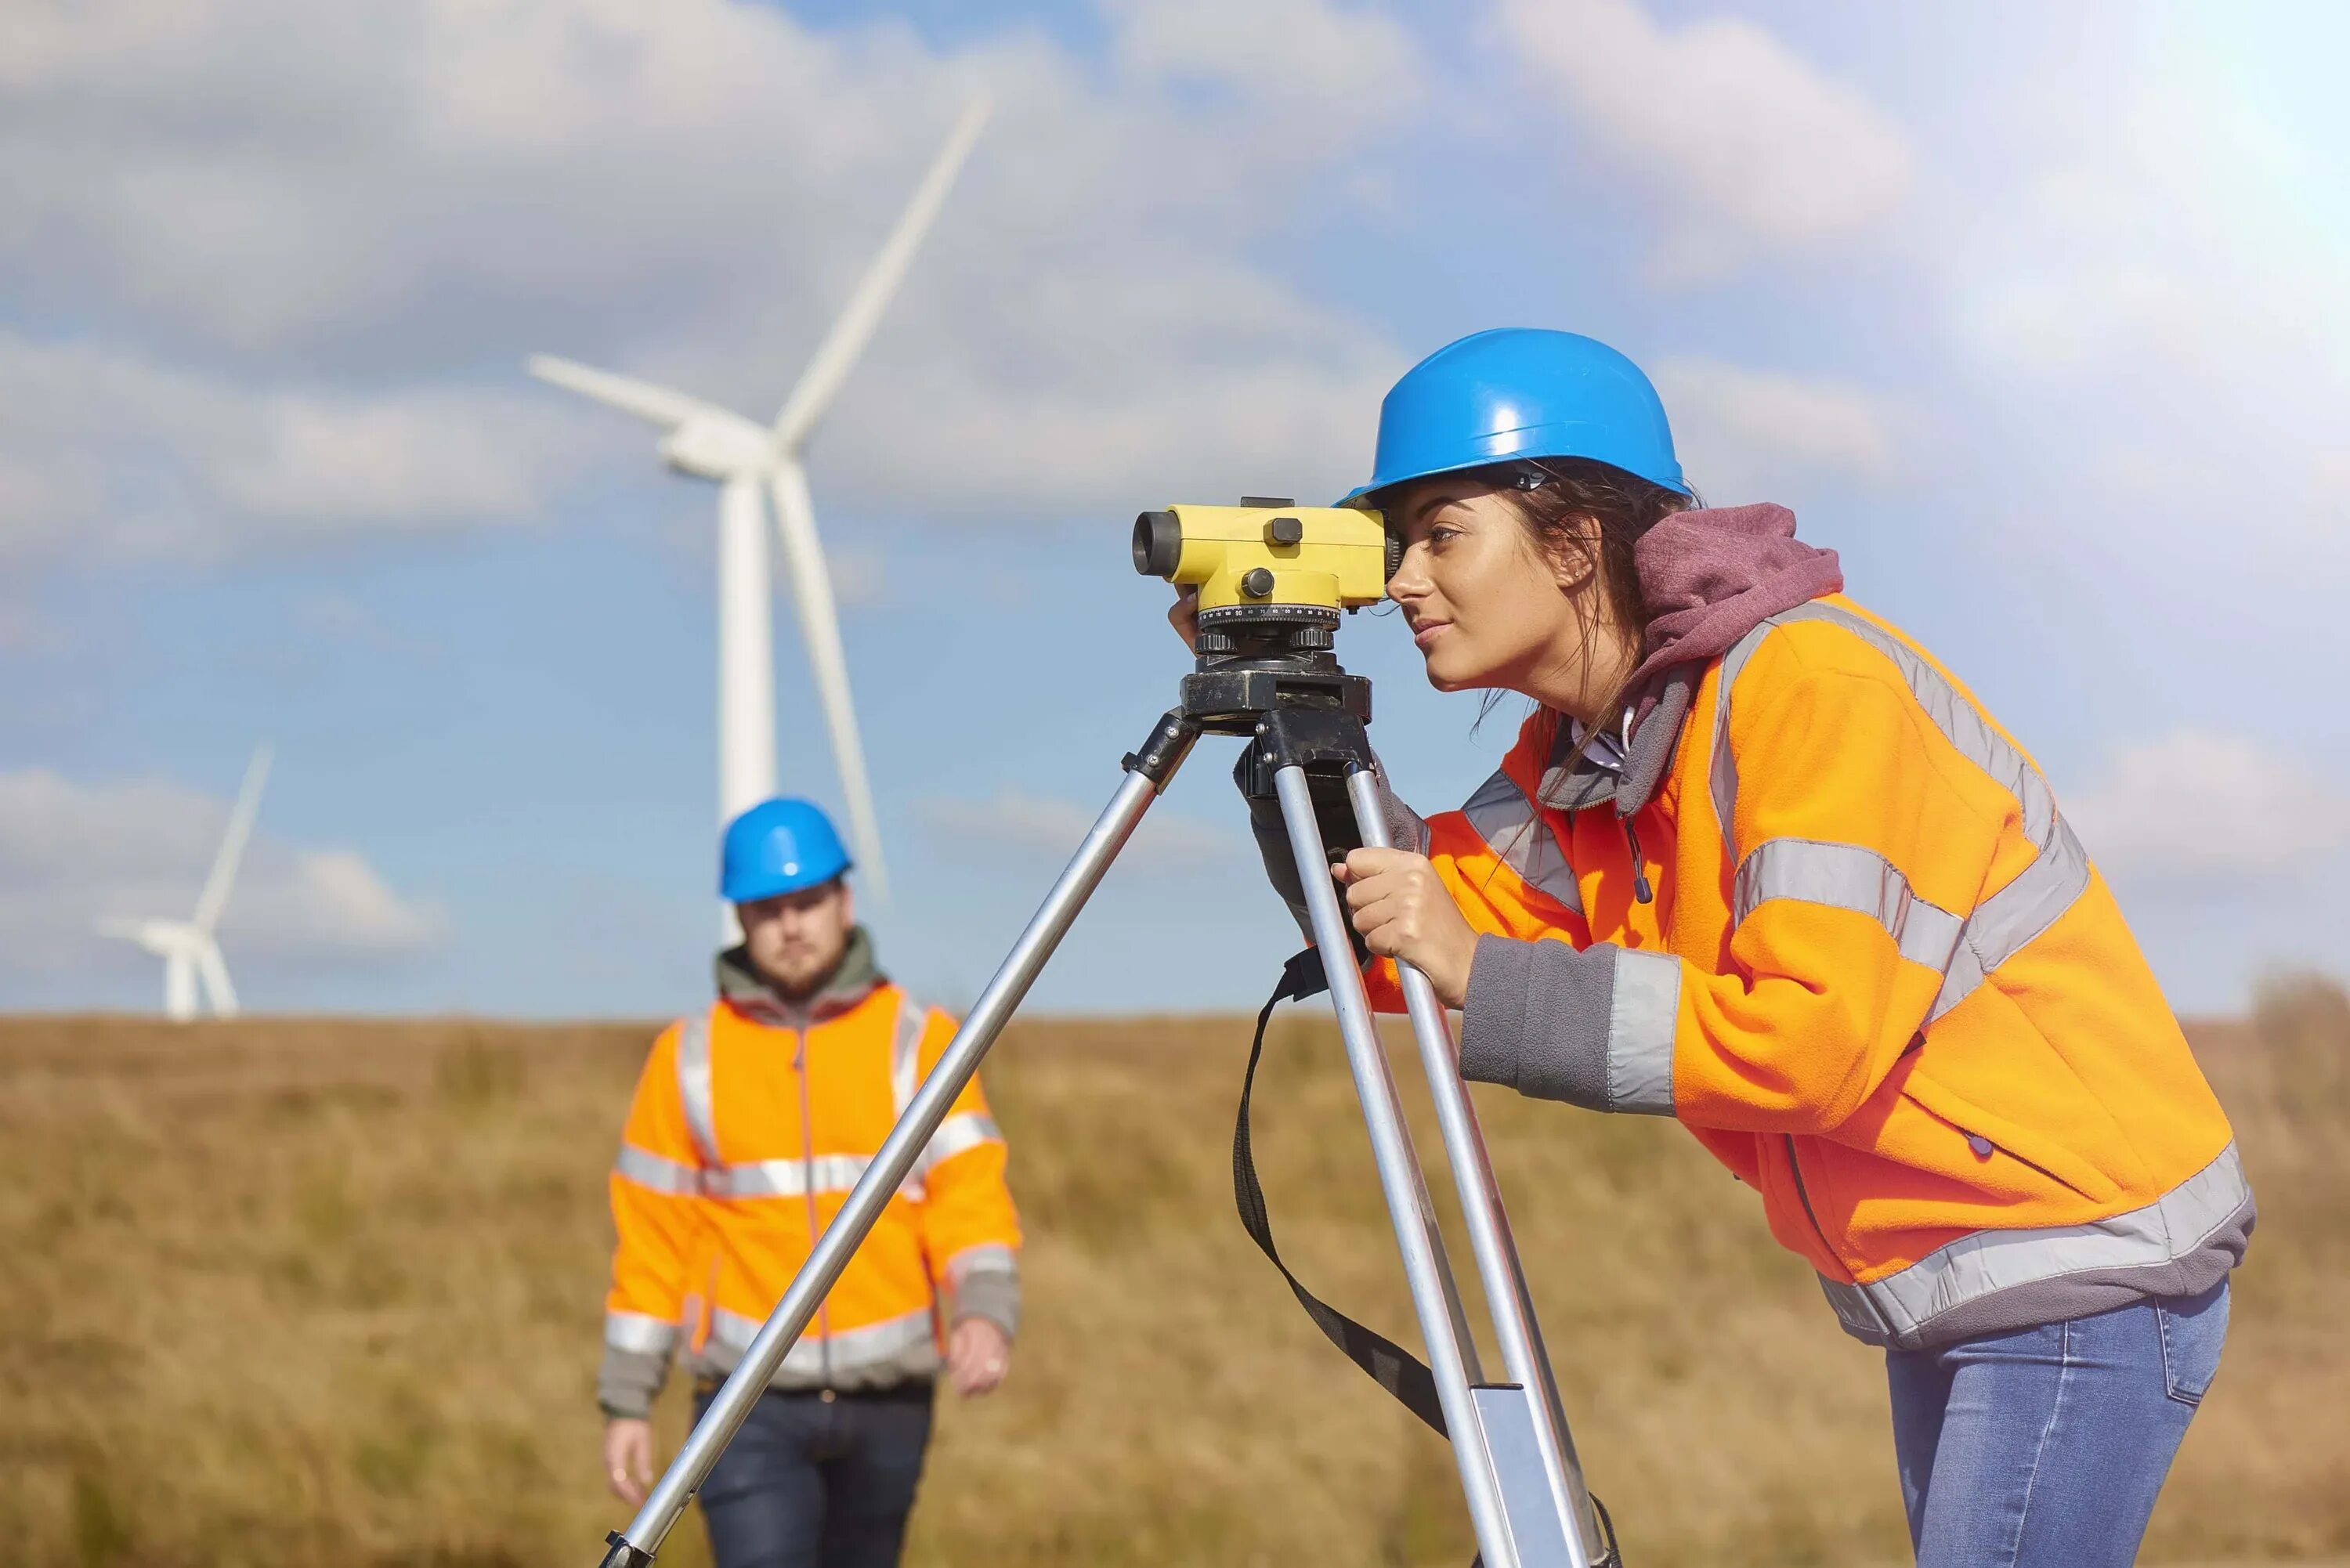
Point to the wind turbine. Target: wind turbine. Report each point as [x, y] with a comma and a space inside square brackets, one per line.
[188, 948]
[705, 442]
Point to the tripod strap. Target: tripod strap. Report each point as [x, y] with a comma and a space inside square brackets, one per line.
[1387, 1364]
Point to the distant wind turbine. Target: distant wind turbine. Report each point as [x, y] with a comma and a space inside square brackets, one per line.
[188, 948]
[706, 441]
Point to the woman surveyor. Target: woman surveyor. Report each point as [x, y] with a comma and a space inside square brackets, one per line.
[1759, 863]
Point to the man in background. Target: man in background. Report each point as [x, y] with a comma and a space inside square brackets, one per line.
[751, 1122]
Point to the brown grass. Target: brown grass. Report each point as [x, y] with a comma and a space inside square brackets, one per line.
[288, 1292]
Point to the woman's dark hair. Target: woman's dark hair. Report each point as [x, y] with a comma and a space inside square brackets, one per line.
[1575, 508]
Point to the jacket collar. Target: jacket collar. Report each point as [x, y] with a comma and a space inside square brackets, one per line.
[1709, 576]
[854, 978]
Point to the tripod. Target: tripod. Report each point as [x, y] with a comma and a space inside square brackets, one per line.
[1528, 1501]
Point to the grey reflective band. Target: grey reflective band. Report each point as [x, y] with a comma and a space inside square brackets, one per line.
[2004, 923]
[1902, 1307]
[693, 1083]
[959, 1133]
[647, 1169]
[1513, 829]
[785, 1178]
[639, 1332]
[817, 1353]
[987, 1258]
[906, 1054]
[1643, 1007]
[1847, 877]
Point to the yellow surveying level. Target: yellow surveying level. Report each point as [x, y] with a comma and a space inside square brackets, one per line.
[1267, 552]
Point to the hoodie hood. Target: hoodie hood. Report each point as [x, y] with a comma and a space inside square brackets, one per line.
[1709, 576]
[853, 980]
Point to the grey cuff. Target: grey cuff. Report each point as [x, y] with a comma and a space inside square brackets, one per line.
[991, 1294]
[629, 1381]
[1537, 1017]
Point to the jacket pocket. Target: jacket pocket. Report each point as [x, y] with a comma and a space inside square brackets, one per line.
[1991, 1138]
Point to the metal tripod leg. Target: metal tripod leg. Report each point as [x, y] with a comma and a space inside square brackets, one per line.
[1435, 1301]
[1148, 773]
[1534, 1411]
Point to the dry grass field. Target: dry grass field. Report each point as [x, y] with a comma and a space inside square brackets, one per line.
[288, 1292]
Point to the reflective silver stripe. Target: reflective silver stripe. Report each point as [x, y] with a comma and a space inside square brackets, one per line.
[1903, 1306]
[957, 1135]
[651, 1170]
[2003, 924]
[693, 1083]
[906, 1055]
[1847, 876]
[816, 1353]
[785, 1178]
[987, 1258]
[639, 1333]
[2009, 919]
[1642, 1010]
[1509, 823]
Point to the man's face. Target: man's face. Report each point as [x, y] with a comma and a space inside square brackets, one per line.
[795, 940]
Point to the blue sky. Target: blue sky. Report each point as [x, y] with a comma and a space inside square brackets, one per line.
[2033, 313]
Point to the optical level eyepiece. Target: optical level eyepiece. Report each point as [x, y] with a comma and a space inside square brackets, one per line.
[1158, 544]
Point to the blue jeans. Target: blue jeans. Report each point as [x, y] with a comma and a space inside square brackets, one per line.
[811, 1482]
[2044, 1448]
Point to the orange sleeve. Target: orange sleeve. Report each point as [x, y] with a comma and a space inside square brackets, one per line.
[971, 1232]
[656, 1207]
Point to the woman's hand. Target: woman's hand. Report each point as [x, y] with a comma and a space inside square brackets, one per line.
[1402, 909]
[1185, 616]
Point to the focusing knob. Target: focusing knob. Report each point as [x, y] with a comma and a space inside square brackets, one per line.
[1257, 584]
[1285, 531]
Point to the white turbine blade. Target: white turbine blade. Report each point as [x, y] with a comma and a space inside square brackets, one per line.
[218, 993]
[838, 351]
[663, 406]
[215, 896]
[812, 589]
[128, 931]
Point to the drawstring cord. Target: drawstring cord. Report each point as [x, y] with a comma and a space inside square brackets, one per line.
[1640, 888]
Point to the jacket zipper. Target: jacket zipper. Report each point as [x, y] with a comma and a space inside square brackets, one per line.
[1803, 1195]
[807, 1188]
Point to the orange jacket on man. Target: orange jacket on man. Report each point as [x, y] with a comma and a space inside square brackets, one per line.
[749, 1124]
[1875, 975]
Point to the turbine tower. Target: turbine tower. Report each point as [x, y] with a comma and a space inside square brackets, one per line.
[706, 441]
[188, 948]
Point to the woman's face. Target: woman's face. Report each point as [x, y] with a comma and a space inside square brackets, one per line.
[1487, 607]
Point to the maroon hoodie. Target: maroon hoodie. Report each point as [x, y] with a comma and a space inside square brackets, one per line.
[1709, 575]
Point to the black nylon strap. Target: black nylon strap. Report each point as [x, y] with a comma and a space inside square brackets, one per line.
[1386, 1364]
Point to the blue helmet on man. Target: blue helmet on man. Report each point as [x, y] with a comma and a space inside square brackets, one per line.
[1521, 392]
[779, 846]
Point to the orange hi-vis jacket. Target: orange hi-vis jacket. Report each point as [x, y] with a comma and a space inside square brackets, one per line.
[1878, 976]
[748, 1129]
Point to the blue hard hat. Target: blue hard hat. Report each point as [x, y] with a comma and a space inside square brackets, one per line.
[778, 846]
[1519, 392]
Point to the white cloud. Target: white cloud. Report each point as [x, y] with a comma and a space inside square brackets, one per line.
[2153, 814]
[1742, 433]
[369, 211]
[1048, 828]
[1749, 147]
[72, 853]
[122, 455]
